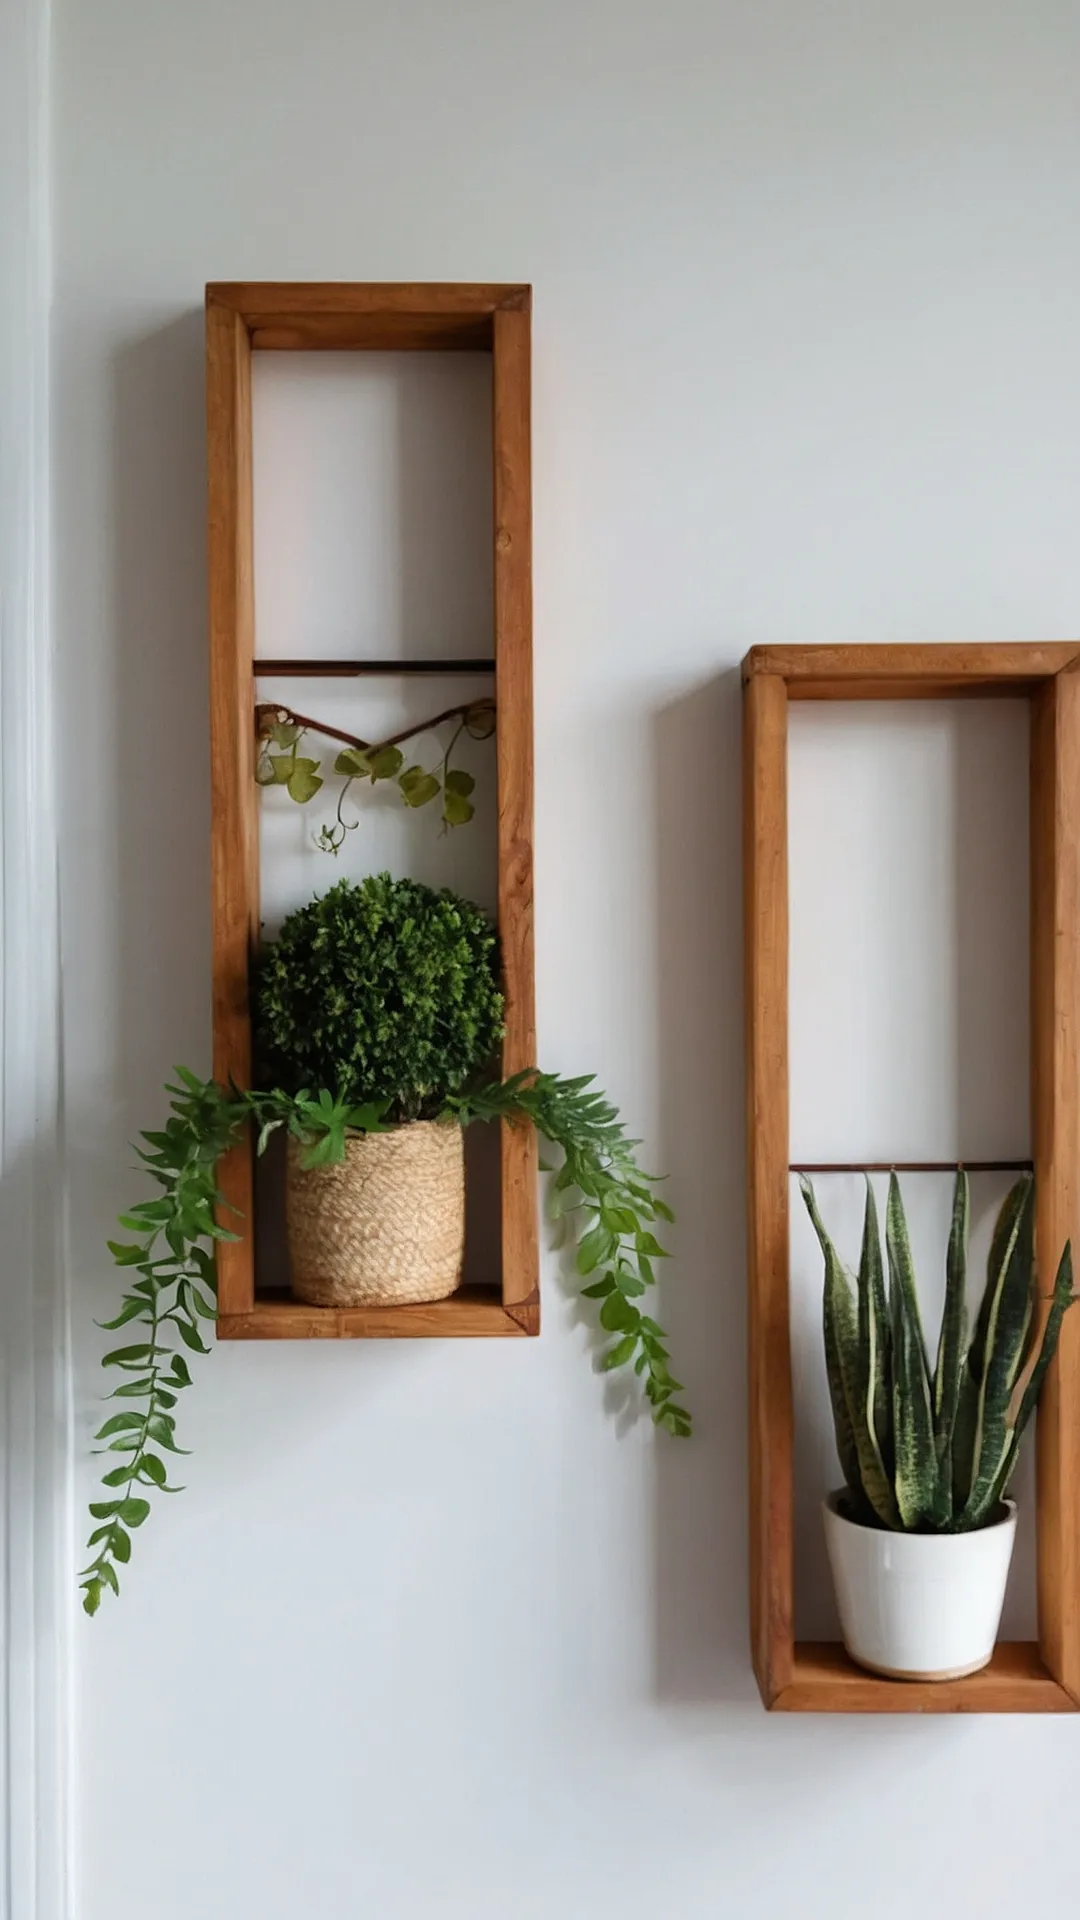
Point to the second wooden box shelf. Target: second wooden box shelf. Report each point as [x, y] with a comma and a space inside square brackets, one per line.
[803, 1677]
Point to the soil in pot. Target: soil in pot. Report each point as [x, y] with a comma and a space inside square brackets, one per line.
[919, 1606]
[386, 1226]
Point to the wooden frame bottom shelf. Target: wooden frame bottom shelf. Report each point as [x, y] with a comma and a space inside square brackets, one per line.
[825, 1680]
[472, 1313]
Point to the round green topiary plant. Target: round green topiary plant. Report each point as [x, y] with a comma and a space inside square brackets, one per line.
[386, 990]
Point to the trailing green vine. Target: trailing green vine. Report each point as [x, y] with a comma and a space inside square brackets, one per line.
[599, 1177]
[370, 761]
[174, 1288]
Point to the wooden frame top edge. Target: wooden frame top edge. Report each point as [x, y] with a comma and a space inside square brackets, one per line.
[294, 299]
[976, 665]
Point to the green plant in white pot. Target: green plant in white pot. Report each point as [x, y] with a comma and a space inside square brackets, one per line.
[920, 1536]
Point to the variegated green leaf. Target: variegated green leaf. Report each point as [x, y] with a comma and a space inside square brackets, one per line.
[1062, 1298]
[874, 1342]
[948, 1370]
[860, 1460]
[915, 1476]
[1008, 1304]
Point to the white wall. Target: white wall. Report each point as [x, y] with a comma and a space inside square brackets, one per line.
[428, 1635]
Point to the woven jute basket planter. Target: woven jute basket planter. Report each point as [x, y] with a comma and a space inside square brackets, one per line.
[386, 1225]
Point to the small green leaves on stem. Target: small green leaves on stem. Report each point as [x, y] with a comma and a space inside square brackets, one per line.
[176, 1285]
[171, 1288]
[600, 1179]
[280, 728]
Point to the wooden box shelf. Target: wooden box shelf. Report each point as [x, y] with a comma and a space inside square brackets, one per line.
[804, 1677]
[249, 317]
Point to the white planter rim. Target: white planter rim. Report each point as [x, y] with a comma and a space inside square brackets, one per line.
[1006, 1516]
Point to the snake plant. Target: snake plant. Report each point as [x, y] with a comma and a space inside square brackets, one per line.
[931, 1448]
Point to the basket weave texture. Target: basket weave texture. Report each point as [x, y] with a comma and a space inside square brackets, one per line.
[386, 1225]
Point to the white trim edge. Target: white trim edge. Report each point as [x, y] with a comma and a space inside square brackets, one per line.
[35, 1374]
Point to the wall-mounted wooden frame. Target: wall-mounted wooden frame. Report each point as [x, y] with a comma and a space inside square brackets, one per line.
[270, 317]
[1042, 1677]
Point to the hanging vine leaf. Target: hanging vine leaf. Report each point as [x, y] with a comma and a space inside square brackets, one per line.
[362, 760]
[417, 787]
[304, 782]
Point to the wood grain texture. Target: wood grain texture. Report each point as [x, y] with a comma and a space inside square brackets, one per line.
[339, 316]
[272, 315]
[825, 1680]
[910, 672]
[474, 1313]
[766, 962]
[1055, 977]
[511, 415]
[234, 818]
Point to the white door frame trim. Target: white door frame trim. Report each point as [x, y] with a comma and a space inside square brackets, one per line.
[36, 1576]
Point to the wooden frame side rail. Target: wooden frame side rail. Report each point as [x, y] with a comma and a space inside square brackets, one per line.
[801, 1676]
[251, 317]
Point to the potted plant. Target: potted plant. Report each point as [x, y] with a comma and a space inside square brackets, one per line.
[920, 1536]
[389, 993]
[377, 1011]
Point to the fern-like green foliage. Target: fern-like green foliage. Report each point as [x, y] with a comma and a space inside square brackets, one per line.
[931, 1447]
[168, 1263]
[386, 990]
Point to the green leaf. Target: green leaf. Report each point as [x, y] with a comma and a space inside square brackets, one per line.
[918, 1493]
[417, 787]
[456, 811]
[619, 1354]
[108, 1573]
[949, 1366]
[353, 763]
[120, 1543]
[599, 1289]
[189, 1337]
[649, 1245]
[180, 1373]
[120, 1356]
[104, 1509]
[125, 1253]
[120, 1423]
[860, 1460]
[1008, 1302]
[131, 1310]
[617, 1219]
[596, 1246]
[281, 765]
[303, 782]
[875, 1345]
[132, 1512]
[284, 734]
[118, 1476]
[153, 1469]
[386, 763]
[459, 782]
[617, 1315]
[92, 1599]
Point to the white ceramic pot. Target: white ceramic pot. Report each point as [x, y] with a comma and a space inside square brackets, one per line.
[919, 1606]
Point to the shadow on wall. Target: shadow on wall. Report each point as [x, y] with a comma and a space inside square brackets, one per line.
[702, 1637]
[136, 698]
[161, 696]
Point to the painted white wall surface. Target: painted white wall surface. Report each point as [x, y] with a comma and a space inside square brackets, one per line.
[430, 1635]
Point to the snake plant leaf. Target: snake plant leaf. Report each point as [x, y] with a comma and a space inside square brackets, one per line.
[860, 1460]
[1026, 1394]
[874, 1342]
[949, 1367]
[1009, 1286]
[915, 1476]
